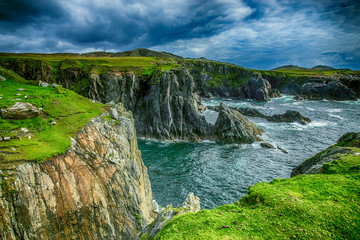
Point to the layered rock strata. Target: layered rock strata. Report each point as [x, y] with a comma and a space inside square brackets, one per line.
[99, 189]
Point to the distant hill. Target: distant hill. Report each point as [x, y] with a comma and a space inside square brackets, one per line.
[316, 68]
[289, 67]
[140, 52]
[323, 68]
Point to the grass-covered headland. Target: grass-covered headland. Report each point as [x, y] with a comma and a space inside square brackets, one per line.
[64, 112]
[318, 206]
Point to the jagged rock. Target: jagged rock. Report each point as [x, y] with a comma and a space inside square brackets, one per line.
[232, 127]
[267, 145]
[21, 110]
[331, 90]
[96, 190]
[289, 116]
[256, 88]
[191, 204]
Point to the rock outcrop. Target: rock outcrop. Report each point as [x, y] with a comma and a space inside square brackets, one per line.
[99, 189]
[163, 106]
[232, 127]
[331, 90]
[191, 204]
[315, 164]
[256, 88]
[288, 116]
[21, 110]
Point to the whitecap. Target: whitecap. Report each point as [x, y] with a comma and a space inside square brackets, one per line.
[335, 116]
[334, 110]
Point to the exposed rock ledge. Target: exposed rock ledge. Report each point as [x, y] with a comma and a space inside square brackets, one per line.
[99, 189]
[314, 164]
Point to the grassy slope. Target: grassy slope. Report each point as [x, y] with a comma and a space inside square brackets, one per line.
[139, 65]
[321, 206]
[70, 110]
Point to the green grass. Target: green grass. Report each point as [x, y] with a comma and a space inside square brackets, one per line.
[321, 206]
[70, 111]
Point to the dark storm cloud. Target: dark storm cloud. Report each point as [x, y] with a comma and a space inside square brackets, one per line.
[17, 13]
[253, 33]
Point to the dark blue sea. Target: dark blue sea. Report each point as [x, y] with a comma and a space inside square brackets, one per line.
[221, 173]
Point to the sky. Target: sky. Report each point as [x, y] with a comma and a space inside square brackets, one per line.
[259, 34]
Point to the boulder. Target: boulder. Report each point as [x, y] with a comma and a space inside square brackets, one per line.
[232, 127]
[2, 79]
[21, 110]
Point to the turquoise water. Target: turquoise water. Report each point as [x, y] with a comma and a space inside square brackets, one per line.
[221, 174]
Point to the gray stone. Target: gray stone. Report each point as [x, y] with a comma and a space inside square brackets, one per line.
[43, 84]
[2, 78]
[7, 138]
[21, 110]
[232, 127]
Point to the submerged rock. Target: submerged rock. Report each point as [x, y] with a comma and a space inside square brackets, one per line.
[232, 127]
[267, 145]
[21, 110]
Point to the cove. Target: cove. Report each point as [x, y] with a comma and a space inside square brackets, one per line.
[221, 173]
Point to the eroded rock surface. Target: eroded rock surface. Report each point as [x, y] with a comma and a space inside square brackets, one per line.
[232, 127]
[99, 189]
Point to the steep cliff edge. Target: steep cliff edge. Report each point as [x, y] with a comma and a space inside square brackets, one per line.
[97, 189]
[162, 92]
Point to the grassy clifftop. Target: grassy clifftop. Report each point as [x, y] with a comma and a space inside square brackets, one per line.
[319, 206]
[37, 139]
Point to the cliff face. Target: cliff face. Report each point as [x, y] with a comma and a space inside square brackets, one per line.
[164, 100]
[99, 189]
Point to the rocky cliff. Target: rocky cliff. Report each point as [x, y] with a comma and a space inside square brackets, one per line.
[99, 189]
[163, 93]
